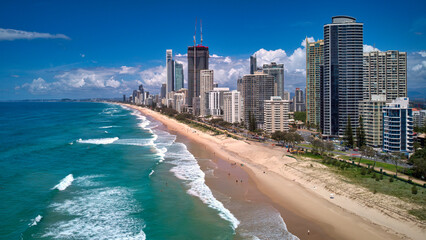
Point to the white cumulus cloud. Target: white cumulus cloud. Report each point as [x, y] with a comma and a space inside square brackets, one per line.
[12, 34]
[369, 48]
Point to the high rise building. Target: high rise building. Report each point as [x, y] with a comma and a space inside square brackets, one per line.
[163, 90]
[179, 80]
[253, 64]
[198, 59]
[286, 96]
[232, 106]
[298, 101]
[371, 112]
[276, 115]
[170, 71]
[206, 85]
[257, 87]
[343, 74]
[215, 97]
[124, 97]
[419, 117]
[314, 61]
[385, 73]
[276, 70]
[141, 89]
[398, 126]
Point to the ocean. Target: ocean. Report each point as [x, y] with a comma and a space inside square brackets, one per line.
[103, 171]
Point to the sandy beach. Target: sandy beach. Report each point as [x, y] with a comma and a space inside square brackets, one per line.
[301, 191]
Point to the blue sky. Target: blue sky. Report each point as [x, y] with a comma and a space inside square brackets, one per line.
[78, 49]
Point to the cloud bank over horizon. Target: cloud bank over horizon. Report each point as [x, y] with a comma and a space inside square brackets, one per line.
[110, 82]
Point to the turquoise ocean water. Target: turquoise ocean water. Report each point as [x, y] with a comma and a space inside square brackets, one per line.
[100, 171]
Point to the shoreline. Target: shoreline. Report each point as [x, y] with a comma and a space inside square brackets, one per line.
[298, 204]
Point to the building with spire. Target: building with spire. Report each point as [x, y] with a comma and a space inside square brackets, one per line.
[198, 59]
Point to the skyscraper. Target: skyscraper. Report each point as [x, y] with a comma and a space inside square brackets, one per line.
[385, 73]
[314, 60]
[298, 101]
[371, 111]
[253, 64]
[206, 85]
[170, 71]
[343, 74]
[179, 82]
[257, 87]
[276, 70]
[163, 90]
[276, 115]
[198, 59]
[142, 93]
[398, 126]
[232, 109]
[215, 98]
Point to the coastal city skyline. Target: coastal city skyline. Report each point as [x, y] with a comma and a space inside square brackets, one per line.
[212, 120]
[80, 73]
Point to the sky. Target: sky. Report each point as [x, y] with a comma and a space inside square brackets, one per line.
[92, 49]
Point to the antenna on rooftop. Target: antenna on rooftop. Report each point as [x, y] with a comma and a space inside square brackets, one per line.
[195, 33]
[201, 23]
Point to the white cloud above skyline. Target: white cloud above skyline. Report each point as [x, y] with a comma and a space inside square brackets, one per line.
[12, 34]
[226, 72]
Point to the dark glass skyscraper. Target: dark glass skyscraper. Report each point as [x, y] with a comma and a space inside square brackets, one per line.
[170, 64]
[343, 73]
[253, 64]
[198, 59]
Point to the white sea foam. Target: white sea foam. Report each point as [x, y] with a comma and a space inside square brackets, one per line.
[98, 140]
[98, 213]
[88, 181]
[36, 220]
[187, 169]
[64, 183]
[136, 142]
[106, 127]
[152, 172]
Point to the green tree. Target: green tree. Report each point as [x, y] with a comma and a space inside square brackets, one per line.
[317, 145]
[360, 134]
[252, 122]
[349, 137]
[418, 159]
[329, 147]
[368, 152]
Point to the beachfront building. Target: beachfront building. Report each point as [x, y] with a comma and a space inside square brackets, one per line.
[179, 102]
[179, 82]
[343, 74]
[198, 59]
[257, 88]
[314, 61]
[206, 85]
[371, 112]
[385, 73]
[215, 99]
[276, 115]
[276, 70]
[232, 104]
[419, 117]
[398, 126]
[170, 65]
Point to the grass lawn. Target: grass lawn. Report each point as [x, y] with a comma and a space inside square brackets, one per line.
[385, 166]
[396, 188]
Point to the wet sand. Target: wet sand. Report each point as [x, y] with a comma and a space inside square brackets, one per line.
[231, 180]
